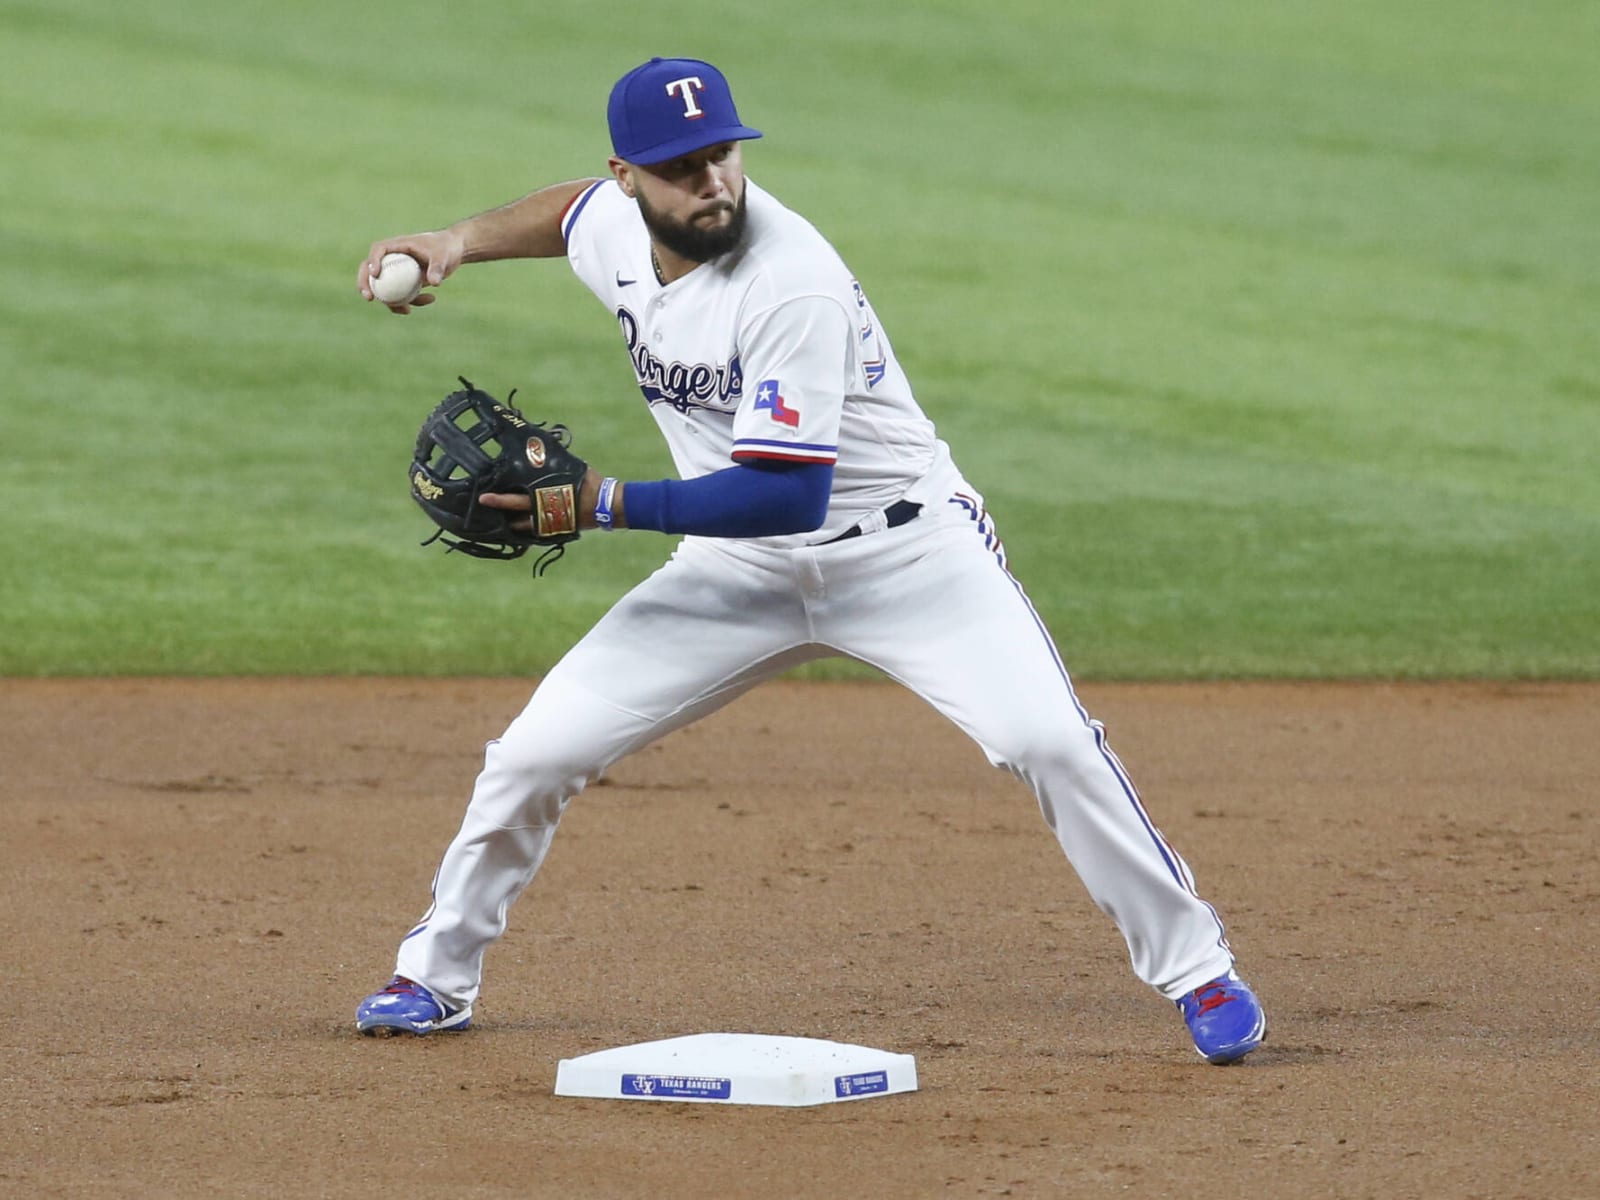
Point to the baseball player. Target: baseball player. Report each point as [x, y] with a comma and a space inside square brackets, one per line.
[819, 514]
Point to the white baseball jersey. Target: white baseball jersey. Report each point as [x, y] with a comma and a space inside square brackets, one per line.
[769, 352]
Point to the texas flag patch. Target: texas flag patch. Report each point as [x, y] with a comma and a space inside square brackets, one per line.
[769, 398]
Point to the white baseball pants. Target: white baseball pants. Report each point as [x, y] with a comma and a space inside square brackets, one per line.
[932, 605]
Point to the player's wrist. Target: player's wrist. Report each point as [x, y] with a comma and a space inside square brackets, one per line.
[607, 504]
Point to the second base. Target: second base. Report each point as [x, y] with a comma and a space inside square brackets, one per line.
[738, 1068]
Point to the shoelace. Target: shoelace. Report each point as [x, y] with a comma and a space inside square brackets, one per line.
[401, 986]
[1212, 995]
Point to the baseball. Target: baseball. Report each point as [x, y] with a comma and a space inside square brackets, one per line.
[398, 280]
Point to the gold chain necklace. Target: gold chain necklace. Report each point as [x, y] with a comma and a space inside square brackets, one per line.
[655, 265]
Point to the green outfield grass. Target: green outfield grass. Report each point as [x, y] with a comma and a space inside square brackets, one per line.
[1267, 329]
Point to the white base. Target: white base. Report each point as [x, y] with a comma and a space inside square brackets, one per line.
[738, 1068]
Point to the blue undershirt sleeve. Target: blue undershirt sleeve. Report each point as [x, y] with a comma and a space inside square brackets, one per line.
[744, 501]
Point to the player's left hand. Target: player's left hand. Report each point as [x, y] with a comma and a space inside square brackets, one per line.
[588, 492]
[510, 502]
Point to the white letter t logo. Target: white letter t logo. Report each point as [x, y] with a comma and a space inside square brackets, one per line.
[687, 88]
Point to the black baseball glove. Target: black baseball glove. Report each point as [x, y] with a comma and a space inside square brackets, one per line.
[471, 444]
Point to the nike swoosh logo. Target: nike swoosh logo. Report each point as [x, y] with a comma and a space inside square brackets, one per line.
[621, 282]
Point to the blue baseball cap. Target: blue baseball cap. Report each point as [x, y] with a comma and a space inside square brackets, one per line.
[672, 106]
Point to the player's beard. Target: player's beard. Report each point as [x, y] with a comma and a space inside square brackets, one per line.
[691, 241]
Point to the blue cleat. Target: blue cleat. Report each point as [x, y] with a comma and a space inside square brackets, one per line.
[1225, 1019]
[405, 1006]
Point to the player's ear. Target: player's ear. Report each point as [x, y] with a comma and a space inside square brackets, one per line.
[623, 171]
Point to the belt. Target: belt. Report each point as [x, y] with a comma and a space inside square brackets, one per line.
[895, 515]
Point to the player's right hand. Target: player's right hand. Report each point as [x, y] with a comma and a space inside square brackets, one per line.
[439, 252]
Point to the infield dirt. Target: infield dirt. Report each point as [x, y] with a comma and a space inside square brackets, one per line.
[202, 878]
